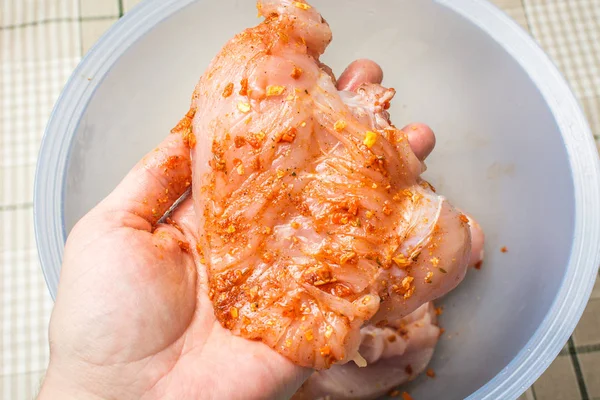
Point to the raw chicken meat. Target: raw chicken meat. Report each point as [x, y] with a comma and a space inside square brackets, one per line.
[313, 218]
[395, 354]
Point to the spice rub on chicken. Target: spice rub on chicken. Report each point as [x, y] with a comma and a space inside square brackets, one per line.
[313, 216]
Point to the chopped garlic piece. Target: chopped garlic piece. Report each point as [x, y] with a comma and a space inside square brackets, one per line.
[370, 139]
[243, 107]
[340, 125]
[275, 90]
[302, 6]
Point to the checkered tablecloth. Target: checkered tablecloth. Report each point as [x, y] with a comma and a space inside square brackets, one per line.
[41, 42]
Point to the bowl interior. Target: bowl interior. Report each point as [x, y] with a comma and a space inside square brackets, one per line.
[500, 155]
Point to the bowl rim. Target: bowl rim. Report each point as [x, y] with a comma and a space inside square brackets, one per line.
[568, 306]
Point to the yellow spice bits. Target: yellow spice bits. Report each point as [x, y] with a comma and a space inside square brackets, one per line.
[370, 139]
[275, 90]
[309, 335]
[295, 225]
[347, 257]
[302, 6]
[401, 261]
[280, 173]
[369, 214]
[230, 229]
[328, 331]
[408, 287]
[240, 169]
[228, 90]
[234, 312]
[260, 136]
[435, 261]
[428, 277]
[243, 107]
[340, 125]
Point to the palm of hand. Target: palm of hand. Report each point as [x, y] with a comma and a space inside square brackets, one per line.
[133, 318]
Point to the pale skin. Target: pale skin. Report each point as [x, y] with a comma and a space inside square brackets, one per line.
[132, 318]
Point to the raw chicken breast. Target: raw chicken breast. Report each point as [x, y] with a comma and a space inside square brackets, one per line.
[313, 218]
[395, 354]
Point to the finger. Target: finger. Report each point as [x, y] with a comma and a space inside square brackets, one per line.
[359, 72]
[184, 216]
[421, 139]
[477, 243]
[154, 184]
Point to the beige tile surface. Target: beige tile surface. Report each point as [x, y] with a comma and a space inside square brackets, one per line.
[591, 106]
[129, 4]
[22, 386]
[588, 330]
[92, 30]
[505, 4]
[29, 12]
[596, 290]
[590, 367]
[515, 10]
[528, 395]
[99, 8]
[559, 382]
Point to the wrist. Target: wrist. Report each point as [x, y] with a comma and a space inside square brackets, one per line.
[56, 386]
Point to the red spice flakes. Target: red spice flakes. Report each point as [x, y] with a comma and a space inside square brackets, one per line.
[430, 373]
[288, 136]
[267, 257]
[296, 73]
[408, 369]
[244, 89]
[442, 330]
[239, 141]
[185, 121]
[478, 265]
[228, 90]
[184, 246]
[504, 249]
[464, 218]
[439, 310]
[340, 218]
[189, 138]
[394, 393]
[387, 210]
[256, 139]
[406, 396]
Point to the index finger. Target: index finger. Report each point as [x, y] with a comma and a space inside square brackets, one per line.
[156, 182]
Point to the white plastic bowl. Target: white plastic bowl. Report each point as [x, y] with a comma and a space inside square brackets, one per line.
[513, 149]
